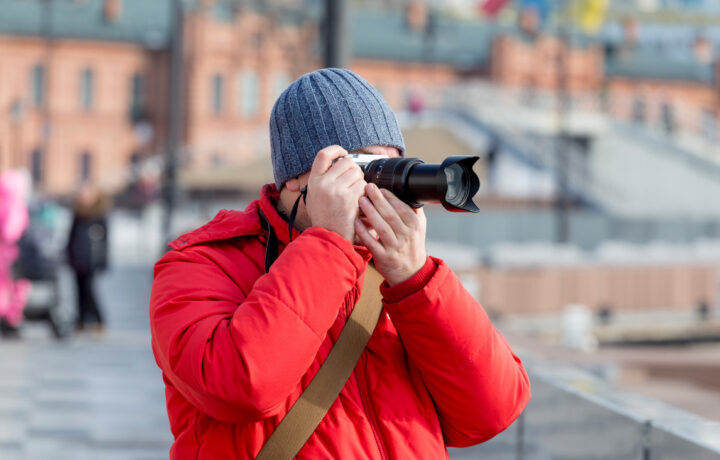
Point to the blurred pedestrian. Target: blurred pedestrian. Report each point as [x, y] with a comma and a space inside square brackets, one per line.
[87, 251]
[415, 104]
[14, 188]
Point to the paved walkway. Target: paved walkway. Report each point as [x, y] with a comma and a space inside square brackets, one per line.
[86, 398]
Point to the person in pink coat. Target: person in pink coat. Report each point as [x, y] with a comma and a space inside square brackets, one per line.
[14, 219]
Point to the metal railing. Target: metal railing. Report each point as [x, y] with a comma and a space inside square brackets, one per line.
[574, 415]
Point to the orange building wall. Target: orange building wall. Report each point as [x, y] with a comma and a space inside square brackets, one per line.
[105, 131]
[252, 43]
[517, 63]
[396, 79]
[689, 100]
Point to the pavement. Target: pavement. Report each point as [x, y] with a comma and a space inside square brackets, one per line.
[87, 397]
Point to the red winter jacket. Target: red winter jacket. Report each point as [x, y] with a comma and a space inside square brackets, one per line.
[237, 347]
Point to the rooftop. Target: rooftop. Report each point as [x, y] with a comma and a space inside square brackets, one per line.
[650, 62]
[142, 21]
[377, 33]
[383, 34]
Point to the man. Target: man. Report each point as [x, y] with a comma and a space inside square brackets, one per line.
[237, 346]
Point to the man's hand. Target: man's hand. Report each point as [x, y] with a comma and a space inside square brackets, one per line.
[334, 188]
[399, 252]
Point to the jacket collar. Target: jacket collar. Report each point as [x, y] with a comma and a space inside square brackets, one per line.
[269, 197]
[229, 224]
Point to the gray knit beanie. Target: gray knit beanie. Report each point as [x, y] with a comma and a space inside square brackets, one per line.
[323, 108]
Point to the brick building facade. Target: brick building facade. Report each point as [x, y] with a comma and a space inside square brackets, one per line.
[84, 83]
[86, 101]
[60, 114]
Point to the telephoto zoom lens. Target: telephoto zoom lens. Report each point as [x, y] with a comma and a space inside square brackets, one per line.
[452, 183]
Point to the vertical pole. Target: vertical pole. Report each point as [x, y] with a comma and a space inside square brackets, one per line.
[6, 153]
[337, 33]
[562, 234]
[645, 441]
[14, 154]
[46, 115]
[716, 314]
[175, 115]
[520, 442]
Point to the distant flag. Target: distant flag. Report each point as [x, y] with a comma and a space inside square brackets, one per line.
[590, 14]
[492, 7]
[542, 7]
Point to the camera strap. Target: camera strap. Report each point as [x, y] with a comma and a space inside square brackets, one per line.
[293, 213]
[272, 248]
[308, 411]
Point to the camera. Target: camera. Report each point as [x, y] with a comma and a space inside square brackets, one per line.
[453, 183]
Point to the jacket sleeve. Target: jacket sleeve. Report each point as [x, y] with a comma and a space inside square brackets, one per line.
[238, 360]
[478, 385]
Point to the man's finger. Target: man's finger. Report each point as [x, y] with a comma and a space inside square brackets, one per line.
[357, 189]
[404, 210]
[381, 226]
[421, 216]
[386, 210]
[340, 166]
[367, 239]
[351, 175]
[325, 157]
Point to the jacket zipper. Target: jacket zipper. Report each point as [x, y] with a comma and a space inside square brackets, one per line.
[364, 390]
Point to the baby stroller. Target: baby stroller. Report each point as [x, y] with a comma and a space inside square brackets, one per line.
[39, 262]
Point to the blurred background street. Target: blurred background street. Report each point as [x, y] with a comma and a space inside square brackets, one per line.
[596, 250]
[90, 397]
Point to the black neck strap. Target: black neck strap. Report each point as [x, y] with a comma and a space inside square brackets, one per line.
[293, 213]
[272, 248]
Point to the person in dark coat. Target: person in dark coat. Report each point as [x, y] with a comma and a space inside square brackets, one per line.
[87, 251]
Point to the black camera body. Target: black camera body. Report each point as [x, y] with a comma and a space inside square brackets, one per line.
[453, 183]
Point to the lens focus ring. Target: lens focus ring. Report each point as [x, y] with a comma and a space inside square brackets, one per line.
[392, 174]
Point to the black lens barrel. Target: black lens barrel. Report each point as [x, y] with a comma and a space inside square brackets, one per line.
[416, 182]
[392, 174]
[426, 183]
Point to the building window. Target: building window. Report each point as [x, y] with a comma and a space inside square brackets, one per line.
[256, 40]
[85, 167]
[249, 90]
[217, 94]
[36, 166]
[87, 87]
[38, 85]
[137, 97]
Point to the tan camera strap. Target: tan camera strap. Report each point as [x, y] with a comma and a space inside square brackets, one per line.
[305, 415]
